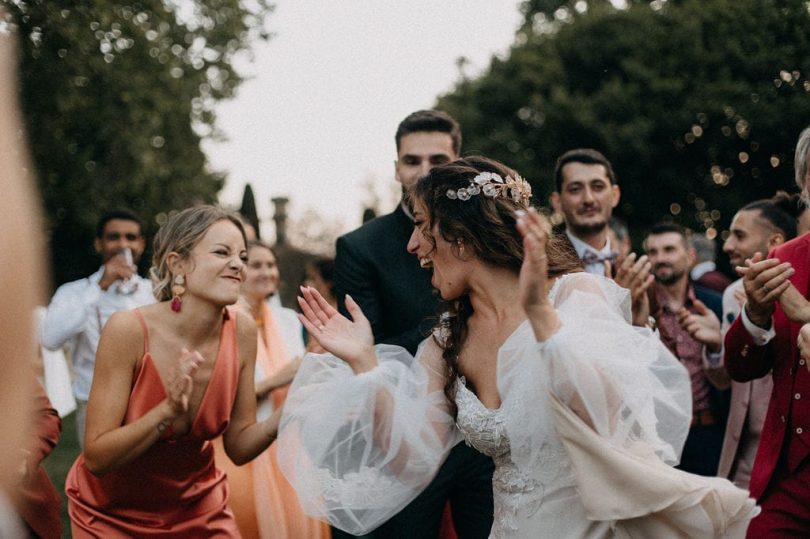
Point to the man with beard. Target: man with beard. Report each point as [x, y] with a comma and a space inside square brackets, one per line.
[586, 194]
[757, 228]
[687, 316]
[80, 309]
[771, 338]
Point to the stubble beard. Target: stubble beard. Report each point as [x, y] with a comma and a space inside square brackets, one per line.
[584, 230]
[669, 279]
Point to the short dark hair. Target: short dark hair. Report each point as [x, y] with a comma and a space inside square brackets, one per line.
[326, 267]
[586, 156]
[118, 213]
[781, 211]
[665, 228]
[430, 120]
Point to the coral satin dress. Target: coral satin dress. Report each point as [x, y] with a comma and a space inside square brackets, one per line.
[173, 489]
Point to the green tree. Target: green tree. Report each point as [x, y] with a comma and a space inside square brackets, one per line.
[117, 96]
[697, 104]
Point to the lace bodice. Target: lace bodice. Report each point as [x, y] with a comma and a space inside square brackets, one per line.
[517, 497]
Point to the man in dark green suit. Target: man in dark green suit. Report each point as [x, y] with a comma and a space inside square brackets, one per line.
[373, 265]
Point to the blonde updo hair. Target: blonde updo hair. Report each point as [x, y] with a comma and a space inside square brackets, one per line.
[181, 233]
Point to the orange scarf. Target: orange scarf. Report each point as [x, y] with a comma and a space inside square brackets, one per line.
[271, 355]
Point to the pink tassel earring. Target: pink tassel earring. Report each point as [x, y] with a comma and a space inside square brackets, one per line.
[178, 290]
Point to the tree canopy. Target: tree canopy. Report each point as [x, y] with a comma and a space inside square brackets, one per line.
[697, 104]
[117, 96]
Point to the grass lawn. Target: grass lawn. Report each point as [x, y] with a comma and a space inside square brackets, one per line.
[59, 462]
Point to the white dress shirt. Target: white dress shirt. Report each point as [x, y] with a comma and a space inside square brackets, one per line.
[77, 313]
[581, 247]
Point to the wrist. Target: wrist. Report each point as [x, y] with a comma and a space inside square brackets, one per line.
[365, 362]
[759, 317]
[642, 319]
[104, 283]
[167, 411]
[271, 425]
[541, 312]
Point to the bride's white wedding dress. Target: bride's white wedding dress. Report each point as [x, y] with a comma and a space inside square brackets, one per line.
[588, 421]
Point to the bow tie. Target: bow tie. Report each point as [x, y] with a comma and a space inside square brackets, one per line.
[591, 257]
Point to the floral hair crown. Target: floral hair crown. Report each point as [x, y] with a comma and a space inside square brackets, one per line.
[493, 185]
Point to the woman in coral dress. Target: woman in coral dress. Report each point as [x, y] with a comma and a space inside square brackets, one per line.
[264, 503]
[169, 378]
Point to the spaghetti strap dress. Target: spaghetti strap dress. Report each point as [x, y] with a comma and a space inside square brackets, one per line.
[173, 489]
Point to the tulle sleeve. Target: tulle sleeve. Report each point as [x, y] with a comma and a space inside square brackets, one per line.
[619, 379]
[358, 448]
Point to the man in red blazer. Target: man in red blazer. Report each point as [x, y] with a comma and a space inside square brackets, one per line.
[763, 340]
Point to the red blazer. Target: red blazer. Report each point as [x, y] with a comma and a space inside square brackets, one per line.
[786, 431]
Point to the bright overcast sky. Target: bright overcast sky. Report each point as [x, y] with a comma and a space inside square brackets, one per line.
[317, 118]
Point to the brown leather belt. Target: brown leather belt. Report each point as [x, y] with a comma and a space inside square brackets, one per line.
[703, 418]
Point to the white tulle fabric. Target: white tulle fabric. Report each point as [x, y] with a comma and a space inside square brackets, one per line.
[358, 448]
[587, 418]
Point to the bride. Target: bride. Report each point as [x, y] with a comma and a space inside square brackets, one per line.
[532, 362]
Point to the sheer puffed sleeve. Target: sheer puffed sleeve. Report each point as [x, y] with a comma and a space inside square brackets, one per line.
[620, 404]
[358, 448]
[618, 378]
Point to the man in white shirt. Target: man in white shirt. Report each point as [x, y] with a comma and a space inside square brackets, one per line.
[586, 195]
[80, 309]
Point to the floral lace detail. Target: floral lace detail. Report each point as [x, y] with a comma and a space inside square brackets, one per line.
[516, 495]
[364, 488]
[481, 427]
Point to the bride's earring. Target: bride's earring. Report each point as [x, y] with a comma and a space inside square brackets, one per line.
[460, 244]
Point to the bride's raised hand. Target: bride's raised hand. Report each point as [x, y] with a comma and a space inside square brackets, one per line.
[350, 340]
[533, 280]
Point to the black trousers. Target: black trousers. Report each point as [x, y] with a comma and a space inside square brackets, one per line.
[465, 479]
[701, 452]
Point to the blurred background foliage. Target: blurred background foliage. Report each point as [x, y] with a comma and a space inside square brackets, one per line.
[117, 96]
[697, 104]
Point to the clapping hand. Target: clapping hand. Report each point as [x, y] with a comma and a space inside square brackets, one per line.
[182, 382]
[764, 282]
[533, 279]
[636, 276]
[350, 340]
[703, 325]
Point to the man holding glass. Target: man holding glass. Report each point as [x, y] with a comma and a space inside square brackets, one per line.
[80, 309]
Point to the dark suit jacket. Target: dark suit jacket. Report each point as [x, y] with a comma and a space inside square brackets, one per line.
[373, 265]
[786, 432]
